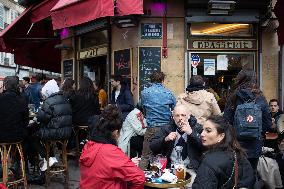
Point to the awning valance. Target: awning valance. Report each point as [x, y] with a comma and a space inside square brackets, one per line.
[280, 15]
[32, 43]
[67, 13]
[81, 12]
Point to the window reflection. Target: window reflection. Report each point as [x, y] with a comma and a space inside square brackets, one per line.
[93, 39]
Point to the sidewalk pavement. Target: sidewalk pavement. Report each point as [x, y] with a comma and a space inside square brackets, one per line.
[58, 183]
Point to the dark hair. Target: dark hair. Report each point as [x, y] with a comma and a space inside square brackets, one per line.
[230, 142]
[27, 79]
[103, 125]
[274, 100]
[11, 83]
[196, 80]
[196, 83]
[246, 79]
[86, 87]
[157, 77]
[40, 77]
[116, 78]
[67, 84]
[97, 83]
[67, 87]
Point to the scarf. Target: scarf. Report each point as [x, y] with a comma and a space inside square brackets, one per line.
[182, 142]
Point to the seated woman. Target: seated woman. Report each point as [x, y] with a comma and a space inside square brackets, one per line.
[102, 164]
[224, 164]
[133, 130]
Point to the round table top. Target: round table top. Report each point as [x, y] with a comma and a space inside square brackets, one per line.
[167, 185]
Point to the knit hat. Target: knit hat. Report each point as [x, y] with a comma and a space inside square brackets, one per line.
[49, 88]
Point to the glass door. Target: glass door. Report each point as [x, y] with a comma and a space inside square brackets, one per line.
[220, 69]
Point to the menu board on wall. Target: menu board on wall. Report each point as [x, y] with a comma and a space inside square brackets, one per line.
[149, 60]
[122, 64]
[68, 68]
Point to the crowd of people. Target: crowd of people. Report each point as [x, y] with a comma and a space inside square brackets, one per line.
[219, 150]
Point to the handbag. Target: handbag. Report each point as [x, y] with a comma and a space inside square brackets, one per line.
[235, 173]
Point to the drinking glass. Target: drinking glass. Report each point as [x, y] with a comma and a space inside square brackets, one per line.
[163, 161]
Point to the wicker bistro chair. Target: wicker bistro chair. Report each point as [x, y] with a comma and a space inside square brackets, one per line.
[8, 153]
[61, 168]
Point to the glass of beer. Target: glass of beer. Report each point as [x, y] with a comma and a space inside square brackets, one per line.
[154, 164]
[179, 171]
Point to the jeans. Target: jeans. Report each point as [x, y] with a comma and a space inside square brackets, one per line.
[146, 152]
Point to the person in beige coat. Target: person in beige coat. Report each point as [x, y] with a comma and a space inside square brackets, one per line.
[199, 102]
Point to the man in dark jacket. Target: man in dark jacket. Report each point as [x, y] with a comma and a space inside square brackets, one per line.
[184, 131]
[14, 112]
[121, 95]
[35, 88]
[275, 112]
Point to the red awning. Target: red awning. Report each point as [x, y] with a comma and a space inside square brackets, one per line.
[127, 7]
[280, 15]
[63, 3]
[32, 44]
[81, 12]
[42, 10]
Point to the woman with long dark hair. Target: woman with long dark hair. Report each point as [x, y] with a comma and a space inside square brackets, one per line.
[68, 87]
[84, 102]
[102, 164]
[224, 164]
[247, 90]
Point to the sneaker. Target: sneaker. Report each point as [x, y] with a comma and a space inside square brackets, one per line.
[52, 161]
[44, 166]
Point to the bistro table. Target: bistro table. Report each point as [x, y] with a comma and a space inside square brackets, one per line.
[179, 184]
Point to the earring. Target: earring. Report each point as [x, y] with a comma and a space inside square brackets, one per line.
[218, 141]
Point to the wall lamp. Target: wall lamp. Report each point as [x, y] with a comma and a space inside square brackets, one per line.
[218, 7]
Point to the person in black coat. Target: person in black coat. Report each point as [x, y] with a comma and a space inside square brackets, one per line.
[14, 112]
[55, 115]
[224, 164]
[121, 96]
[184, 126]
[247, 90]
[84, 102]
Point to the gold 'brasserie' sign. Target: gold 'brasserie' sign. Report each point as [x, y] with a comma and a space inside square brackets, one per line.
[92, 52]
[222, 44]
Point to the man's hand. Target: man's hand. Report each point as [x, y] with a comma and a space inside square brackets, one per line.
[185, 127]
[136, 160]
[172, 136]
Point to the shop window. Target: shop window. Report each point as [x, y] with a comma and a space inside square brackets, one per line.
[216, 29]
[92, 39]
[220, 70]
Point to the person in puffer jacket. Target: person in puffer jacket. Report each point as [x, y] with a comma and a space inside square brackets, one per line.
[55, 115]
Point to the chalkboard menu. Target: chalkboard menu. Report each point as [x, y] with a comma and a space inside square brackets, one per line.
[68, 68]
[122, 64]
[149, 61]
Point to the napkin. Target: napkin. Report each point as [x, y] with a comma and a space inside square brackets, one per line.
[169, 177]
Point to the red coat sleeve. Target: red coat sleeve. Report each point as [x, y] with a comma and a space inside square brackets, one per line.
[124, 169]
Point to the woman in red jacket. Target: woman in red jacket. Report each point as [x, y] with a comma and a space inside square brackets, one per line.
[102, 164]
